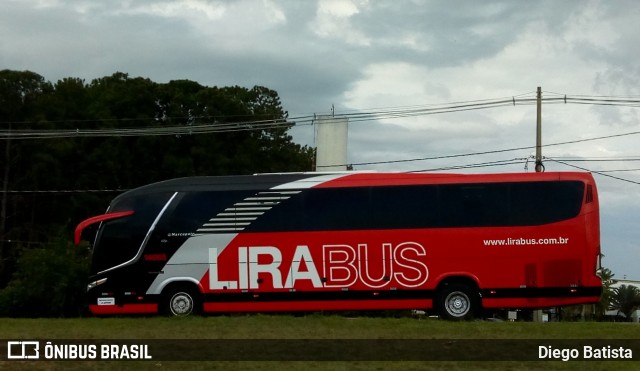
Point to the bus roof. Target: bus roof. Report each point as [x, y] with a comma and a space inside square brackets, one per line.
[355, 179]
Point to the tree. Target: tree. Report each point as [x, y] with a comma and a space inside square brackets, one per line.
[19, 95]
[48, 282]
[625, 300]
[607, 292]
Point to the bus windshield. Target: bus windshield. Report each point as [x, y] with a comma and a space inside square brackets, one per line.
[119, 240]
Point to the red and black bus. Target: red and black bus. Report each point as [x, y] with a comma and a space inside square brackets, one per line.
[348, 241]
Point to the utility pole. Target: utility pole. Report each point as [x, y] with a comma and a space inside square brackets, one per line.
[539, 165]
[537, 314]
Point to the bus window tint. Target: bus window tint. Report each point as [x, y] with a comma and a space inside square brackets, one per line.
[194, 209]
[334, 209]
[404, 207]
[474, 205]
[426, 206]
[119, 240]
[537, 203]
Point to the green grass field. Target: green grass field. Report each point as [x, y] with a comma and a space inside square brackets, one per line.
[313, 327]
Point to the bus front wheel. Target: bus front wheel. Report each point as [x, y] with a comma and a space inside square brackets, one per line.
[457, 302]
[180, 302]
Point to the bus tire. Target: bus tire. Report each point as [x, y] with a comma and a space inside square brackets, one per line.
[457, 302]
[181, 301]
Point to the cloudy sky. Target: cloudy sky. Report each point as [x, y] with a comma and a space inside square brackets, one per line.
[365, 56]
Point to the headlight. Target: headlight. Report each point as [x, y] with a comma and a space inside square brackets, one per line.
[96, 283]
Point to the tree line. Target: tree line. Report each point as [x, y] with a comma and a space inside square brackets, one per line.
[48, 185]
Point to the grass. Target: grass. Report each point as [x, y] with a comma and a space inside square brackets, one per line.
[277, 327]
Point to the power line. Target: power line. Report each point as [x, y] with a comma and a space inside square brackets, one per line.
[602, 173]
[376, 114]
[567, 160]
[514, 161]
[599, 159]
[148, 131]
[619, 170]
[161, 119]
[486, 152]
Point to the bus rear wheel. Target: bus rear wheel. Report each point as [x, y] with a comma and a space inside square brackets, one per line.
[180, 302]
[457, 302]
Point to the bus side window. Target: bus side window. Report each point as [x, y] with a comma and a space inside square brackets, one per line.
[539, 203]
[404, 207]
[474, 205]
[327, 209]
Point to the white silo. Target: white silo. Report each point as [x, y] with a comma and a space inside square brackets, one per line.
[331, 143]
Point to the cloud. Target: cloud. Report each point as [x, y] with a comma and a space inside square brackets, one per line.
[590, 28]
[333, 20]
[185, 9]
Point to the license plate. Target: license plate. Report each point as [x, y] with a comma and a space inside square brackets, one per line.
[106, 301]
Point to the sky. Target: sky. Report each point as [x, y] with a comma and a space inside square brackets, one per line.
[359, 56]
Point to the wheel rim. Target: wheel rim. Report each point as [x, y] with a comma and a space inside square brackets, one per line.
[457, 304]
[181, 304]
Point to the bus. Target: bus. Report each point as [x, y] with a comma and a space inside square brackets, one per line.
[450, 243]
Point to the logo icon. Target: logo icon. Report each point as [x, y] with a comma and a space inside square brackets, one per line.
[23, 350]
